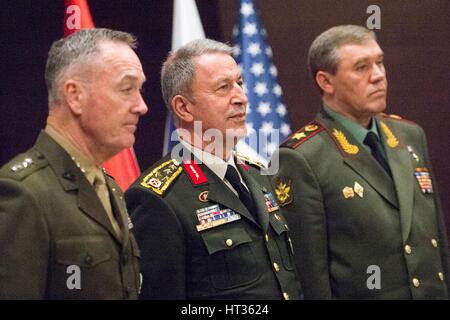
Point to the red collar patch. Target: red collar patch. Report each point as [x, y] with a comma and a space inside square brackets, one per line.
[194, 172]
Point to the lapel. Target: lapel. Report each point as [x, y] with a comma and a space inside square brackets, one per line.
[257, 192]
[119, 210]
[362, 162]
[72, 179]
[399, 160]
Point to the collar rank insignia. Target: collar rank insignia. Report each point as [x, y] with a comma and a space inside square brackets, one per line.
[213, 216]
[424, 179]
[194, 172]
[302, 135]
[160, 178]
[391, 139]
[271, 203]
[343, 142]
[283, 188]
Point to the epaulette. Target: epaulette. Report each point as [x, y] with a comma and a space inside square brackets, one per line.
[161, 177]
[302, 135]
[24, 165]
[249, 161]
[396, 117]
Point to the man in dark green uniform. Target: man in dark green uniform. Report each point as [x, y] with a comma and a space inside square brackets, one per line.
[64, 228]
[206, 220]
[356, 185]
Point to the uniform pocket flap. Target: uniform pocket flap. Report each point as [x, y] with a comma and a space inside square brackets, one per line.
[82, 251]
[225, 238]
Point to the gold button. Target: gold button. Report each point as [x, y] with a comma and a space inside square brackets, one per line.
[285, 296]
[434, 243]
[229, 242]
[441, 276]
[276, 266]
[266, 237]
[277, 216]
[416, 282]
[408, 249]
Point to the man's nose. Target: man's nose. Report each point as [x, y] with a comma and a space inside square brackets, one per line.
[141, 107]
[239, 97]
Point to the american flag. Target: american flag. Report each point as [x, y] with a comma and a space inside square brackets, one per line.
[267, 119]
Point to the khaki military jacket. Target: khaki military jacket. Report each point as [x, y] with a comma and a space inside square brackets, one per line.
[198, 241]
[56, 241]
[357, 232]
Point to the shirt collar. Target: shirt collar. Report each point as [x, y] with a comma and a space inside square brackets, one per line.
[86, 166]
[356, 130]
[213, 162]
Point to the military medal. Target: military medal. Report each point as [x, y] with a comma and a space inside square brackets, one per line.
[359, 190]
[424, 179]
[413, 154]
[348, 193]
[271, 203]
[213, 216]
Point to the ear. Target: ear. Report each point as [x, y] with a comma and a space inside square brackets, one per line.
[325, 81]
[182, 108]
[74, 95]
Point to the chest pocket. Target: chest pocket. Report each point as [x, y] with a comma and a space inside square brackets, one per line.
[232, 261]
[84, 252]
[282, 240]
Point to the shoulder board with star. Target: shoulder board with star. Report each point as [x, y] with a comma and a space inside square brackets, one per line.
[395, 117]
[249, 161]
[24, 165]
[162, 176]
[302, 135]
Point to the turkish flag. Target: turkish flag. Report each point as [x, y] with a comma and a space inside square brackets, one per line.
[123, 166]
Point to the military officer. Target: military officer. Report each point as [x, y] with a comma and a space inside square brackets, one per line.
[64, 228]
[206, 220]
[356, 185]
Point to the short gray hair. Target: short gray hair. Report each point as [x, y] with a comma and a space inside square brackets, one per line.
[77, 49]
[323, 54]
[178, 70]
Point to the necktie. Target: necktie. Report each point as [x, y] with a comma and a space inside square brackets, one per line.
[233, 178]
[374, 143]
[102, 191]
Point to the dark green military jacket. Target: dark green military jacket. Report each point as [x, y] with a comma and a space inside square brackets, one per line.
[357, 232]
[235, 257]
[53, 228]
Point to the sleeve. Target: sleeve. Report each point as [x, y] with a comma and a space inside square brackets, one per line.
[443, 239]
[24, 243]
[161, 240]
[306, 219]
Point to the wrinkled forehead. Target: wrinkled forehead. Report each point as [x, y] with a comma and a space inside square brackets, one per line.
[213, 65]
[352, 52]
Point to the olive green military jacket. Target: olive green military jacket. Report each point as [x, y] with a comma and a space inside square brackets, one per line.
[357, 232]
[56, 241]
[234, 257]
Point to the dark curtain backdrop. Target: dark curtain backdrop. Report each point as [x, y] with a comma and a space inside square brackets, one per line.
[414, 35]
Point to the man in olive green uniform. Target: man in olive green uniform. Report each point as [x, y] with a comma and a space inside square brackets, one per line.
[64, 228]
[205, 219]
[356, 185]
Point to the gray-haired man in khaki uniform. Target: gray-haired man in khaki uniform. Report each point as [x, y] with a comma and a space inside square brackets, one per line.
[64, 228]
